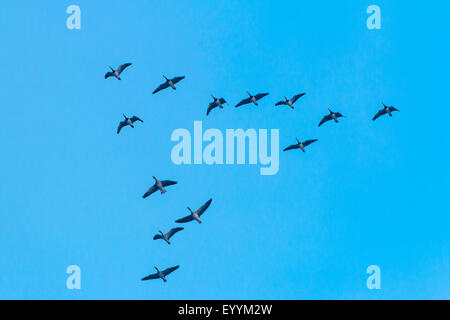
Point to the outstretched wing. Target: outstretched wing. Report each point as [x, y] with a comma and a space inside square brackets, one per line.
[151, 190]
[222, 101]
[325, 119]
[177, 79]
[211, 106]
[308, 142]
[173, 231]
[134, 119]
[157, 236]
[379, 114]
[166, 183]
[185, 219]
[260, 96]
[121, 125]
[281, 103]
[298, 96]
[291, 147]
[169, 270]
[245, 101]
[108, 74]
[165, 85]
[123, 67]
[203, 208]
[338, 115]
[393, 109]
[152, 276]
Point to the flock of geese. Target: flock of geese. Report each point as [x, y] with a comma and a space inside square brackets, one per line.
[160, 185]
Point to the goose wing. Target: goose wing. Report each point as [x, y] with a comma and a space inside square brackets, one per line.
[166, 183]
[169, 270]
[245, 101]
[298, 96]
[325, 119]
[123, 67]
[291, 147]
[185, 219]
[134, 119]
[121, 125]
[203, 208]
[152, 276]
[338, 115]
[281, 103]
[157, 236]
[308, 142]
[177, 79]
[379, 114]
[108, 74]
[393, 109]
[260, 96]
[211, 106]
[222, 101]
[150, 190]
[163, 86]
[173, 231]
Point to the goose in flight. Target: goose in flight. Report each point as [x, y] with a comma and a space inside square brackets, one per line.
[195, 215]
[332, 116]
[251, 99]
[160, 274]
[116, 73]
[127, 122]
[216, 103]
[385, 110]
[159, 185]
[290, 102]
[300, 145]
[169, 83]
[166, 237]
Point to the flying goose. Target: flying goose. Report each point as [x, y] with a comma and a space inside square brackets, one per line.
[127, 122]
[195, 215]
[385, 110]
[332, 116]
[159, 185]
[216, 103]
[169, 83]
[300, 145]
[160, 274]
[291, 101]
[116, 73]
[251, 99]
[166, 237]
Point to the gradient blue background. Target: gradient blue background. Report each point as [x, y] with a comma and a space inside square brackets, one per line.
[366, 193]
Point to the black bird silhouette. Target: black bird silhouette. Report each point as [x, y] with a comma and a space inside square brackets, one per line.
[160, 274]
[166, 236]
[159, 185]
[290, 102]
[169, 83]
[332, 116]
[251, 99]
[127, 122]
[195, 215]
[216, 103]
[300, 145]
[116, 73]
[385, 110]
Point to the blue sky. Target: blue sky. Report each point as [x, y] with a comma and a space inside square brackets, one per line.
[368, 193]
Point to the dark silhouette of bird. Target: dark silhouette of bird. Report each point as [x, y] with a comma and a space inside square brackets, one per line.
[300, 145]
[332, 116]
[160, 274]
[116, 73]
[159, 185]
[251, 99]
[290, 102]
[385, 110]
[216, 103]
[128, 122]
[169, 83]
[166, 236]
[195, 215]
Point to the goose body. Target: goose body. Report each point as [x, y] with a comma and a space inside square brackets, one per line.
[251, 99]
[127, 122]
[217, 102]
[160, 274]
[385, 110]
[300, 145]
[290, 102]
[166, 236]
[170, 83]
[332, 116]
[116, 73]
[195, 215]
